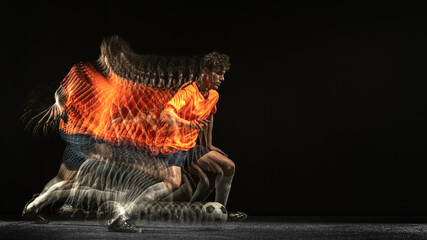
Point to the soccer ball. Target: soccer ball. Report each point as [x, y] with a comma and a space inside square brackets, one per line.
[214, 212]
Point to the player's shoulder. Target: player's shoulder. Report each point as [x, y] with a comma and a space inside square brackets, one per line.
[187, 86]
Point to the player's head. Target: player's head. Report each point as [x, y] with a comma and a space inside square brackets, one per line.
[213, 66]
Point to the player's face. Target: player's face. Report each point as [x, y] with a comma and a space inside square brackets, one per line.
[214, 79]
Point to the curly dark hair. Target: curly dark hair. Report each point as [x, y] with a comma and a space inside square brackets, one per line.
[215, 61]
[156, 70]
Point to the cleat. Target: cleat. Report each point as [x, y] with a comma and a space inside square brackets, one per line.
[31, 214]
[121, 224]
[30, 201]
[236, 216]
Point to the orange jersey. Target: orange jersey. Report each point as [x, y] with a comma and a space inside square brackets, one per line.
[189, 104]
[123, 112]
[112, 108]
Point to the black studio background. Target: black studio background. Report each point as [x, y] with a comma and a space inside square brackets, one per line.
[323, 111]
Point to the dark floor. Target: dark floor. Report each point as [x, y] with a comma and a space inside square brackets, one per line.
[252, 228]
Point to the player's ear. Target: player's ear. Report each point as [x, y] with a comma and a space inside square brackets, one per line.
[205, 72]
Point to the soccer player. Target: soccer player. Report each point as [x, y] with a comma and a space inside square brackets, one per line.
[104, 107]
[190, 112]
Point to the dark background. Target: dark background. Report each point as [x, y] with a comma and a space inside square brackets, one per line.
[323, 110]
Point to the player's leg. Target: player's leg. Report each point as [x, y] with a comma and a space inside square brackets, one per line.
[171, 182]
[173, 177]
[212, 160]
[201, 171]
[32, 208]
[183, 193]
[224, 169]
[71, 161]
[50, 184]
[49, 193]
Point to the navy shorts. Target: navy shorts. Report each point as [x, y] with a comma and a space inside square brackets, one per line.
[196, 152]
[78, 145]
[174, 159]
[191, 156]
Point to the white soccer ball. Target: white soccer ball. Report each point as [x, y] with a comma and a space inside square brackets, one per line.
[214, 212]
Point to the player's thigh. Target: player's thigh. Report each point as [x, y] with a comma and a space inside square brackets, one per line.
[65, 174]
[224, 162]
[206, 164]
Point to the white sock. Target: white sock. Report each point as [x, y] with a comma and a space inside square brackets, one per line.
[223, 190]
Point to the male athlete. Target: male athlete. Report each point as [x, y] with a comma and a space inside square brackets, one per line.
[185, 115]
[183, 118]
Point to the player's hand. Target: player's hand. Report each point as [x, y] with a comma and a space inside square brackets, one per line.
[198, 123]
[218, 150]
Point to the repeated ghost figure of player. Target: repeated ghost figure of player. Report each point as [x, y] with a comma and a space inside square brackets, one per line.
[138, 128]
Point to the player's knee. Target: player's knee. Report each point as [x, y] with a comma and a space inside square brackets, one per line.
[176, 185]
[173, 184]
[65, 173]
[226, 164]
[229, 168]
